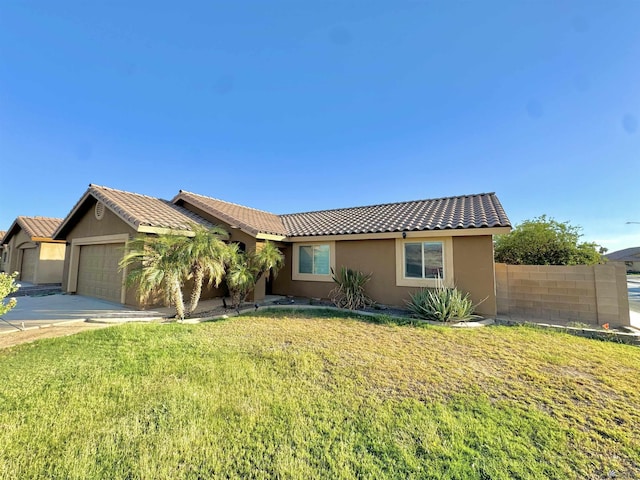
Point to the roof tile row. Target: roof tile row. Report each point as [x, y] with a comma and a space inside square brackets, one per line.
[463, 212]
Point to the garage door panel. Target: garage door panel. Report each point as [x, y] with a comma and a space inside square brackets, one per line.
[28, 267]
[98, 274]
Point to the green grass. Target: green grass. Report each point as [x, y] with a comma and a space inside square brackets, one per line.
[299, 395]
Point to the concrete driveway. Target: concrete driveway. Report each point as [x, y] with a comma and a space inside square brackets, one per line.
[57, 309]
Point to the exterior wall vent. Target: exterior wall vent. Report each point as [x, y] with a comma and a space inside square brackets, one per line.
[99, 211]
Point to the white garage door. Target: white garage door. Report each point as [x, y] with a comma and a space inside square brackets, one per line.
[28, 267]
[98, 274]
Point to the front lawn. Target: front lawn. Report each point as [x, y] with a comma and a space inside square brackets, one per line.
[296, 395]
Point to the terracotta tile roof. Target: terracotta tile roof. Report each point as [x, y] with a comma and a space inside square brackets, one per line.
[247, 219]
[138, 210]
[34, 227]
[470, 211]
[42, 227]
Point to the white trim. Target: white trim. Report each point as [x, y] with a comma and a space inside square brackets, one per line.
[463, 232]
[268, 236]
[74, 259]
[447, 251]
[295, 275]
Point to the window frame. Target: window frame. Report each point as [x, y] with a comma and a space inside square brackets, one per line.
[447, 263]
[313, 277]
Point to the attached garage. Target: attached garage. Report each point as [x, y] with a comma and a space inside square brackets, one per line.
[98, 274]
[96, 232]
[28, 266]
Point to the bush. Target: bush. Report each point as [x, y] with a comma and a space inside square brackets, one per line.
[8, 285]
[442, 304]
[349, 292]
[545, 241]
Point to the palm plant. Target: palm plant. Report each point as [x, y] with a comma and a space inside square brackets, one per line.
[244, 269]
[158, 264]
[267, 257]
[207, 255]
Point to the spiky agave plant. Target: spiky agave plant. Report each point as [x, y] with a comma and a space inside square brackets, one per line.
[349, 291]
[442, 304]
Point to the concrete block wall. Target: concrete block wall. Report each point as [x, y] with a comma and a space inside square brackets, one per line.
[595, 294]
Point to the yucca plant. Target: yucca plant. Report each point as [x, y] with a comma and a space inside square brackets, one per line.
[349, 291]
[442, 304]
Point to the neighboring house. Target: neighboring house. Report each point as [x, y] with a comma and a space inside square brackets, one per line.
[28, 248]
[405, 245]
[630, 257]
[97, 229]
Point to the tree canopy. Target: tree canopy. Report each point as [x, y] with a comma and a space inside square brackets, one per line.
[545, 241]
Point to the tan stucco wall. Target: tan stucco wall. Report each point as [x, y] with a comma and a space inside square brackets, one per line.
[51, 263]
[473, 271]
[586, 293]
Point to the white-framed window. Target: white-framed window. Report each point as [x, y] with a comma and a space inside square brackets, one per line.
[313, 261]
[423, 262]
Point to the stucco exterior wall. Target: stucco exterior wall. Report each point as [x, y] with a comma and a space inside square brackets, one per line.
[51, 263]
[474, 271]
[472, 260]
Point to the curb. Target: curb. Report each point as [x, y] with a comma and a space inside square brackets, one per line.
[632, 339]
[38, 327]
[117, 320]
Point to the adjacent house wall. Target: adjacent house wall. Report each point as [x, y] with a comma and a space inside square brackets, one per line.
[18, 241]
[50, 258]
[51, 263]
[594, 294]
[472, 260]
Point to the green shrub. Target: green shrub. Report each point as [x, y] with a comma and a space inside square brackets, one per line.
[349, 292]
[7, 286]
[442, 304]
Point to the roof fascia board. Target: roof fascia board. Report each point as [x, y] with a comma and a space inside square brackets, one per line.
[467, 232]
[164, 231]
[46, 240]
[268, 236]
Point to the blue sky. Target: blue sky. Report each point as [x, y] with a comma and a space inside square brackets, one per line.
[296, 106]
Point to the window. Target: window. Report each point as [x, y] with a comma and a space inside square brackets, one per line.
[423, 260]
[313, 261]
